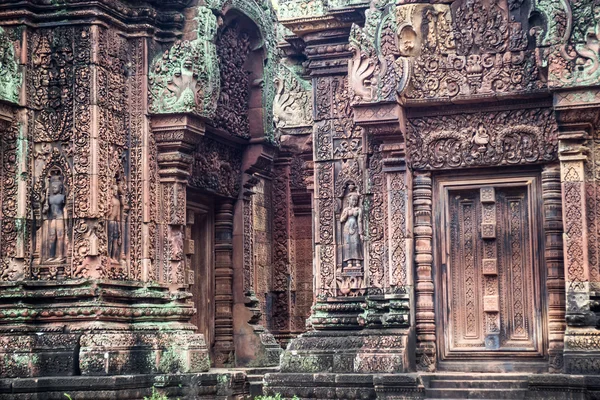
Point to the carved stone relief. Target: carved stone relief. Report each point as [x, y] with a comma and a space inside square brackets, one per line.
[462, 50]
[216, 168]
[11, 78]
[185, 78]
[292, 106]
[525, 136]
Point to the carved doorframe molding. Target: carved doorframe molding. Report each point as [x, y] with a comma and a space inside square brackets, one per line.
[426, 127]
[553, 275]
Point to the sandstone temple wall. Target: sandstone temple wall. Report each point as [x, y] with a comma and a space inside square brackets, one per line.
[350, 195]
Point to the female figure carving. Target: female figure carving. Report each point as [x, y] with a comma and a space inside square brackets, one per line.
[54, 213]
[352, 232]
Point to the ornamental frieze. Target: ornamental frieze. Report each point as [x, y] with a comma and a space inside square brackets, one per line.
[216, 168]
[513, 137]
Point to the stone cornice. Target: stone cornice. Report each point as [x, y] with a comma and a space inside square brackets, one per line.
[165, 21]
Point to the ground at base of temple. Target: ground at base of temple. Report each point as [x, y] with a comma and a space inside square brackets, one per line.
[434, 386]
[224, 384]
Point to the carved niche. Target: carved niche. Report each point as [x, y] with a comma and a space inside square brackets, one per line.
[53, 213]
[494, 138]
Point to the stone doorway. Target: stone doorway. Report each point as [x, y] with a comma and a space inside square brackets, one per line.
[199, 247]
[489, 281]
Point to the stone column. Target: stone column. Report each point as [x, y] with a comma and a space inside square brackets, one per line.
[223, 349]
[555, 281]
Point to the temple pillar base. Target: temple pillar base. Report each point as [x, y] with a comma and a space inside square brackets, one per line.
[38, 354]
[230, 385]
[146, 351]
[365, 351]
[344, 386]
[582, 351]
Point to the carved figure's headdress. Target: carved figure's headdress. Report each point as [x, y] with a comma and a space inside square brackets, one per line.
[56, 176]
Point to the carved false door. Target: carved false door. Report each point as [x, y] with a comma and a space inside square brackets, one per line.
[490, 272]
[199, 251]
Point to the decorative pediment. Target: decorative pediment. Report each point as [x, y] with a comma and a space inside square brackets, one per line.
[11, 77]
[185, 78]
[292, 108]
[377, 72]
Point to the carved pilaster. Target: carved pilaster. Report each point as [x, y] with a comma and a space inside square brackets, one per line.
[555, 281]
[577, 116]
[425, 315]
[282, 253]
[176, 137]
[223, 348]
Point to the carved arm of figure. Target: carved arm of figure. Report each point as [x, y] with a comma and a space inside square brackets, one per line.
[344, 216]
[360, 224]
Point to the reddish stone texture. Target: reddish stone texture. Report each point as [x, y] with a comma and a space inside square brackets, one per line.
[388, 190]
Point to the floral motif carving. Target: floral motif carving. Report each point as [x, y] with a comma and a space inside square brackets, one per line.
[523, 136]
[11, 78]
[216, 168]
[185, 78]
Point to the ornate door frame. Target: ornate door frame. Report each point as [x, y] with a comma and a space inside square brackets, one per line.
[539, 190]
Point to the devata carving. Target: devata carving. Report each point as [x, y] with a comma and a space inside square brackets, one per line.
[350, 276]
[117, 210]
[53, 211]
[524, 136]
[185, 78]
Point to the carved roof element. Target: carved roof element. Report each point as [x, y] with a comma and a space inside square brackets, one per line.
[11, 77]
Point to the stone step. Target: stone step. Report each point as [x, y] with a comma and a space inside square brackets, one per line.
[478, 384]
[475, 376]
[487, 394]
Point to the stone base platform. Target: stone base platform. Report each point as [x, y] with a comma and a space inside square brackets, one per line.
[433, 386]
[215, 384]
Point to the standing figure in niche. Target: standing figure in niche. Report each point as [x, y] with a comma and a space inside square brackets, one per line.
[114, 224]
[54, 212]
[352, 232]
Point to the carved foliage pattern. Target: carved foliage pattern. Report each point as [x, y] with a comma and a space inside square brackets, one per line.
[572, 181]
[10, 225]
[233, 48]
[592, 198]
[216, 168]
[523, 136]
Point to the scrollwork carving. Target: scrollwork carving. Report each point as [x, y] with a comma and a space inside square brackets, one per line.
[292, 106]
[186, 78]
[524, 136]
